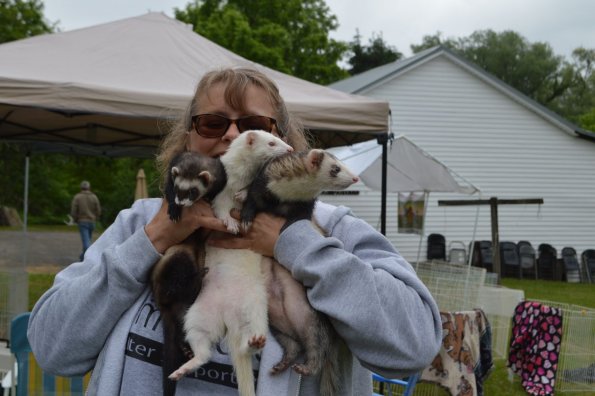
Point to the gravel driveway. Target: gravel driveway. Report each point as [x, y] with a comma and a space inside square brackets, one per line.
[39, 248]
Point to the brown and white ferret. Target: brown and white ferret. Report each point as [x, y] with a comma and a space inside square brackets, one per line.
[233, 298]
[288, 186]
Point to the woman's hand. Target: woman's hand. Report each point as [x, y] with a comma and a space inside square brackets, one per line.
[163, 232]
[260, 238]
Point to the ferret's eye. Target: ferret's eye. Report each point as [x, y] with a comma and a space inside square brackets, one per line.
[193, 193]
[335, 169]
[272, 144]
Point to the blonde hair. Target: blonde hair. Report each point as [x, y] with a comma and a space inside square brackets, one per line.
[236, 82]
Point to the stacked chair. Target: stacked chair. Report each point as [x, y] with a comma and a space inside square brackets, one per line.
[572, 269]
[457, 254]
[528, 258]
[510, 262]
[436, 247]
[481, 252]
[588, 258]
[547, 258]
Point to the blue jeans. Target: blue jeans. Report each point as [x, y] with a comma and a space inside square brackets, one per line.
[86, 229]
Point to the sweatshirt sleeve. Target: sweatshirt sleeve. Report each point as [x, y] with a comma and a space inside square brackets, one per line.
[373, 297]
[72, 320]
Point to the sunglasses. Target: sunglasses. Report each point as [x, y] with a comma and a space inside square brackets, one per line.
[214, 125]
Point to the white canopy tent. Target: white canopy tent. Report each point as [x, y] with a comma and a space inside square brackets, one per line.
[111, 89]
[113, 85]
[409, 169]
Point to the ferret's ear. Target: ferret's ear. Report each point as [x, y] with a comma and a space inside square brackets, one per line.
[251, 138]
[205, 177]
[175, 171]
[314, 159]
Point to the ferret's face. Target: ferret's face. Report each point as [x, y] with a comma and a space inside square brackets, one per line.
[213, 102]
[188, 191]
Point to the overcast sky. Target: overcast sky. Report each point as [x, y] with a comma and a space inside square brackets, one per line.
[564, 24]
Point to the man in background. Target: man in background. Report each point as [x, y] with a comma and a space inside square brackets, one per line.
[85, 210]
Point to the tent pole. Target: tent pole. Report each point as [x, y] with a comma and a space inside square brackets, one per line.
[26, 197]
[423, 227]
[383, 139]
[25, 209]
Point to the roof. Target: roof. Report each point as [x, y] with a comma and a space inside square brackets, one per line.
[363, 82]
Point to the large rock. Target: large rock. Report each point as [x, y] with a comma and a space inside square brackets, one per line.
[10, 217]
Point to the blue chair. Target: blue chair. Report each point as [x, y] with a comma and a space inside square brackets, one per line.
[408, 383]
[31, 380]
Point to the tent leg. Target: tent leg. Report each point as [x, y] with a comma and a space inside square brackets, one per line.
[25, 210]
[383, 139]
[423, 228]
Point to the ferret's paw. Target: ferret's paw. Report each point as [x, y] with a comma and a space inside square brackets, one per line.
[257, 342]
[240, 196]
[246, 225]
[279, 367]
[232, 224]
[301, 369]
[177, 375]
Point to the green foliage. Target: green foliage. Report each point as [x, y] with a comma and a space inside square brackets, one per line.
[289, 36]
[376, 53]
[22, 18]
[55, 178]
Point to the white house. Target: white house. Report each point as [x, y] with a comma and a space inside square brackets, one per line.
[504, 143]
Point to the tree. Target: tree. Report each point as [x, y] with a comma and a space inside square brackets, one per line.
[290, 36]
[22, 18]
[376, 53]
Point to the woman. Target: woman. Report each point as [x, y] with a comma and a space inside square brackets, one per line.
[99, 315]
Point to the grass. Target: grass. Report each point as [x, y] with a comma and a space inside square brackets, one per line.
[497, 383]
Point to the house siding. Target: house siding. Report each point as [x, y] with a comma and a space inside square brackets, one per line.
[501, 146]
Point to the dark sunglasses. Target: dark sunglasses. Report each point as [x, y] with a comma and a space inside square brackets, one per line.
[214, 125]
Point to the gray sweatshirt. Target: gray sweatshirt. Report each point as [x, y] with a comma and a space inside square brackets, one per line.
[373, 297]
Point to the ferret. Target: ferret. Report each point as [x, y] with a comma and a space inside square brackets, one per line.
[233, 298]
[288, 186]
[176, 278]
[192, 176]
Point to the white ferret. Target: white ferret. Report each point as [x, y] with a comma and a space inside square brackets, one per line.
[233, 298]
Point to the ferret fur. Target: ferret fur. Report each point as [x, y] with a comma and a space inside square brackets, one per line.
[192, 176]
[176, 278]
[233, 299]
[288, 186]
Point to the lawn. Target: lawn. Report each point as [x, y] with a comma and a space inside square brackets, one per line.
[497, 382]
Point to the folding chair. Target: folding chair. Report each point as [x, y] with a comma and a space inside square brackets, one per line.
[408, 383]
[528, 258]
[572, 268]
[547, 260]
[588, 258]
[31, 380]
[457, 253]
[509, 260]
[436, 247]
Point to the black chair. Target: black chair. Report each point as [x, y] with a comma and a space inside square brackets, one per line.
[436, 247]
[572, 269]
[510, 263]
[528, 258]
[481, 252]
[547, 257]
[588, 258]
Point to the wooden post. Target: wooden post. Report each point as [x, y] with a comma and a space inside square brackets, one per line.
[493, 202]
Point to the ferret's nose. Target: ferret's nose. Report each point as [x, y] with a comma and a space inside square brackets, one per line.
[355, 179]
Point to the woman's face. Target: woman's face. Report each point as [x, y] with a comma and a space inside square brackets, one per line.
[214, 103]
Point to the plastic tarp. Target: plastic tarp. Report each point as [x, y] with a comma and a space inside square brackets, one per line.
[409, 168]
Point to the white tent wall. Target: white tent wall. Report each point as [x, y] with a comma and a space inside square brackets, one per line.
[507, 148]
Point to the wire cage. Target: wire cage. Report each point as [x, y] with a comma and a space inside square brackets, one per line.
[454, 287]
[576, 367]
[13, 297]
